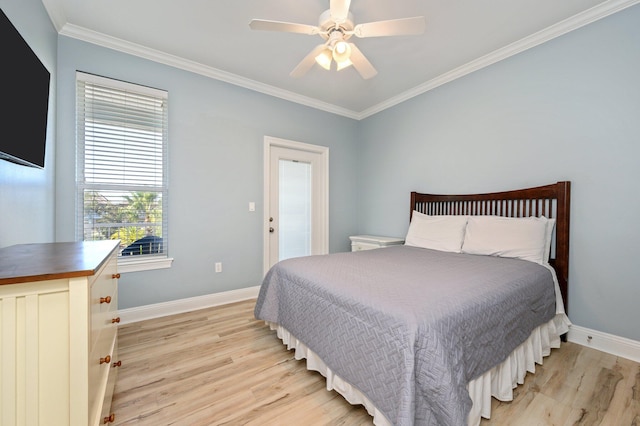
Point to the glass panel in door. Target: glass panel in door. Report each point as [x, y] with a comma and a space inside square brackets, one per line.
[294, 232]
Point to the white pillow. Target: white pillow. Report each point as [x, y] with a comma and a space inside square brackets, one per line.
[444, 233]
[551, 223]
[522, 238]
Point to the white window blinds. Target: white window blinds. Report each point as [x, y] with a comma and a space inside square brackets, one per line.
[122, 164]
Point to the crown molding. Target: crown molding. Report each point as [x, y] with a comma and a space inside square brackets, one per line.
[563, 27]
[124, 46]
[577, 21]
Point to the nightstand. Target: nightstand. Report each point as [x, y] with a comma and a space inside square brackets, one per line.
[368, 242]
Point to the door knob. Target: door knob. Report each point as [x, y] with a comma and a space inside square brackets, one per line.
[271, 229]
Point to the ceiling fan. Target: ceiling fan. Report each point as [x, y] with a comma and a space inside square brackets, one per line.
[336, 27]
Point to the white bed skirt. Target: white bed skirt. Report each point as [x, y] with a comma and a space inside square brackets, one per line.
[498, 382]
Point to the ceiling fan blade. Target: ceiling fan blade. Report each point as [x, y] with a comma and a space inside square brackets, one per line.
[393, 27]
[289, 27]
[361, 63]
[339, 10]
[308, 61]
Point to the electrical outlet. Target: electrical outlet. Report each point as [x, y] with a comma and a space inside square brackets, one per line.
[218, 266]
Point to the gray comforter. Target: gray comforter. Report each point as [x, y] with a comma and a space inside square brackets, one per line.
[409, 327]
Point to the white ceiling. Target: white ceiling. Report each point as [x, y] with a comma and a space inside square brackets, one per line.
[212, 37]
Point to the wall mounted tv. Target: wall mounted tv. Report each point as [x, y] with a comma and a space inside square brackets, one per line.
[24, 98]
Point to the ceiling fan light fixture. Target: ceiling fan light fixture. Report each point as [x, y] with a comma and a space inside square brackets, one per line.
[341, 51]
[344, 64]
[324, 59]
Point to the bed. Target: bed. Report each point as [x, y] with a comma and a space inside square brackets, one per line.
[427, 332]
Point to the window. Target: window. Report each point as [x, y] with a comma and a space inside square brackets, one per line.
[122, 168]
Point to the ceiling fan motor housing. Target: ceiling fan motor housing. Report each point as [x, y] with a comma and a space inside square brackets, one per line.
[329, 26]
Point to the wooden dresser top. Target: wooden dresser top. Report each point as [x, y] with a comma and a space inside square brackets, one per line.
[49, 261]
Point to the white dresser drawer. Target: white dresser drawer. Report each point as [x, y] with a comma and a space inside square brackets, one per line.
[100, 366]
[358, 246]
[104, 303]
[111, 384]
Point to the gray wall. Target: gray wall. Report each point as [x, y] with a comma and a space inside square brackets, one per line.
[27, 194]
[565, 110]
[216, 137]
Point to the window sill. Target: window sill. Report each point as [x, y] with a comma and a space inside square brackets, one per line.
[148, 264]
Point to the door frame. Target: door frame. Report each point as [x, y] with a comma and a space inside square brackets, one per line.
[323, 196]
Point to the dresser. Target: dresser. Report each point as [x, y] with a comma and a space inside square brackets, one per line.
[368, 242]
[58, 333]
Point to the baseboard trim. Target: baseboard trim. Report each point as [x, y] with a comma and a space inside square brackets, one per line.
[609, 343]
[180, 306]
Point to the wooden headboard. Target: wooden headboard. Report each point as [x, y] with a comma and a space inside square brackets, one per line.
[551, 201]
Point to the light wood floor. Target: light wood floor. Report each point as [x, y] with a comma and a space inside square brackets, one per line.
[220, 366]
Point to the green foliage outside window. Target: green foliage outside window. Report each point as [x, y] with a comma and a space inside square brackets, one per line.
[126, 217]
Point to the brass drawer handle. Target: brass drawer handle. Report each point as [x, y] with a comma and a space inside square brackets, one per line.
[115, 276]
[110, 419]
[105, 299]
[117, 364]
[115, 320]
[105, 360]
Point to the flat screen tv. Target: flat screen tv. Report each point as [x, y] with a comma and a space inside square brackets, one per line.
[24, 98]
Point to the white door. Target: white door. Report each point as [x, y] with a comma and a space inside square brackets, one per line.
[296, 200]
